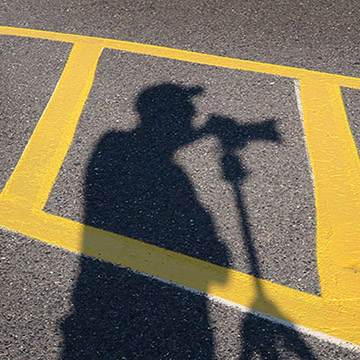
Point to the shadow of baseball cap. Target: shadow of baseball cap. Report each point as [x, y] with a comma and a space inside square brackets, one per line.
[165, 96]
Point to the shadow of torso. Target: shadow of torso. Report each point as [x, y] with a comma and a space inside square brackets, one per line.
[134, 188]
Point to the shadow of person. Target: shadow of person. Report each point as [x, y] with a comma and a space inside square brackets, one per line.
[133, 187]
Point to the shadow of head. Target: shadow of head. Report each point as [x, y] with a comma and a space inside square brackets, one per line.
[167, 105]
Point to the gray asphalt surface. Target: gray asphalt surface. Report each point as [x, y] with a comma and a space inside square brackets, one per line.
[59, 305]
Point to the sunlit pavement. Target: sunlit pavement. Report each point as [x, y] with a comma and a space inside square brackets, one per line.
[229, 181]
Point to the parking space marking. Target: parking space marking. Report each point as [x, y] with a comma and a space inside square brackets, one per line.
[334, 161]
[184, 55]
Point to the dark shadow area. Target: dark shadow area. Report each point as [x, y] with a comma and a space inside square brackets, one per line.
[134, 188]
[122, 315]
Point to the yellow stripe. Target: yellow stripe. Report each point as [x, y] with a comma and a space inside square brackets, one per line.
[336, 169]
[187, 56]
[34, 175]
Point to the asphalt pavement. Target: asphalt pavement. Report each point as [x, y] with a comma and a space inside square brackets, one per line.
[60, 305]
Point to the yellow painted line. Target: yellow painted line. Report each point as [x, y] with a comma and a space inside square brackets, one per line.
[183, 55]
[34, 175]
[336, 168]
[334, 162]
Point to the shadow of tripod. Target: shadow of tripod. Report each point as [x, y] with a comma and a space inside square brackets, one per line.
[234, 173]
